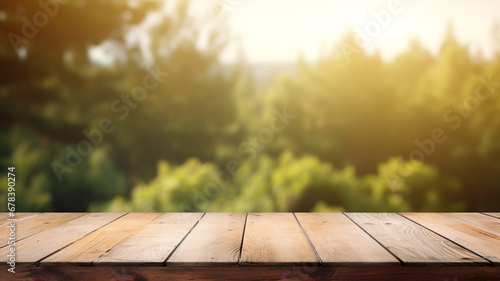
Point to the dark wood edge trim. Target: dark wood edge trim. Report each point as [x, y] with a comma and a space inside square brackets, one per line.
[449, 273]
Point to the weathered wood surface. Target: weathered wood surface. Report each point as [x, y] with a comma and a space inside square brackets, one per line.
[476, 232]
[496, 215]
[253, 246]
[43, 244]
[231, 273]
[216, 240]
[338, 241]
[275, 239]
[33, 225]
[152, 244]
[412, 243]
[19, 216]
[89, 248]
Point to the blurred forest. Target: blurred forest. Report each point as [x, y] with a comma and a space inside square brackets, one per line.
[175, 129]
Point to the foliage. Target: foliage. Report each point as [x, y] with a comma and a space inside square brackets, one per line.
[363, 111]
[363, 139]
[288, 184]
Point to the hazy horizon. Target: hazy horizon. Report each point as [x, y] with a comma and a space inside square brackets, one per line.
[283, 31]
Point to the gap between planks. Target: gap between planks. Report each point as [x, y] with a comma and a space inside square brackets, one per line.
[32, 225]
[340, 242]
[64, 247]
[88, 248]
[245, 230]
[378, 242]
[164, 263]
[495, 215]
[414, 244]
[243, 237]
[275, 239]
[151, 244]
[482, 241]
[215, 241]
[308, 239]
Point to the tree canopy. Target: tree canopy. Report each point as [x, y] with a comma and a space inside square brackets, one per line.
[126, 106]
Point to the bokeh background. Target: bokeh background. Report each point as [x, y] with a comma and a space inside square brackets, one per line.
[250, 105]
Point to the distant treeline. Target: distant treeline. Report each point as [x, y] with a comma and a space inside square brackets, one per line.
[167, 127]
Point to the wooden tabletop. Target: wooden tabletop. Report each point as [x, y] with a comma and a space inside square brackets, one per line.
[253, 246]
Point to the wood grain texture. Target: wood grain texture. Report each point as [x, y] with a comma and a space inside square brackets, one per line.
[231, 273]
[411, 243]
[4, 216]
[216, 240]
[340, 242]
[275, 239]
[87, 249]
[324, 246]
[28, 227]
[19, 216]
[152, 244]
[36, 247]
[496, 215]
[474, 231]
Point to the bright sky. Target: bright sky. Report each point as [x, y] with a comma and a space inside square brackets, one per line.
[280, 30]
[283, 30]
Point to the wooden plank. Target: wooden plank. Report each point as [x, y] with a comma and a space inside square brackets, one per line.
[412, 243]
[231, 273]
[216, 240]
[34, 248]
[4, 216]
[474, 231]
[275, 239]
[19, 216]
[340, 242]
[25, 215]
[34, 225]
[87, 249]
[496, 215]
[152, 244]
